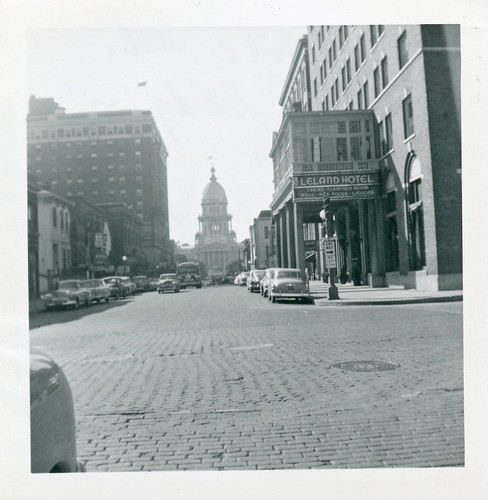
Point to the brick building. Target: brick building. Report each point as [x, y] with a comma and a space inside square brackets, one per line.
[104, 157]
[385, 127]
[260, 241]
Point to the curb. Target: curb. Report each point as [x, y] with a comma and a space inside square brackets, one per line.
[325, 302]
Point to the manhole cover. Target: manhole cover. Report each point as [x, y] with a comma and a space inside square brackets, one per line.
[366, 366]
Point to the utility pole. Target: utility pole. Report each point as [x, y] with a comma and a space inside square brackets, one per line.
[330, 258]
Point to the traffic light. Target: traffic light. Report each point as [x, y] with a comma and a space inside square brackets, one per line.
[327, 208]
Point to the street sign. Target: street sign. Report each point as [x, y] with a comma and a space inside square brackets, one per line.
[330, 253]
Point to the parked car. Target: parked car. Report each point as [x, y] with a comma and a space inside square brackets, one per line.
[69, 293]
[130, 286]
[168, 283]
[52, 419]
[140, 282]
[99, 291]
[288, 283]
[263, 284]
[117, 288]
[254, 279]
[152, 284]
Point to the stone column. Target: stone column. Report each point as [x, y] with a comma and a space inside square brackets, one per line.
[290, 236]
[299, 243]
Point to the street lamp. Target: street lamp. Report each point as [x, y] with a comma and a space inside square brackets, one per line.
[124, 260]
[330, 257]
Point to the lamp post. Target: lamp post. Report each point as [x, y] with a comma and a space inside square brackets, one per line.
[124, 261]
[328, 217]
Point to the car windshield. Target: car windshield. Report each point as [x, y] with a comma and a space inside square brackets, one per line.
[91, 283]
[288, 274]
[111, 280]
[259, 274]
[167, 277]
[63, 285]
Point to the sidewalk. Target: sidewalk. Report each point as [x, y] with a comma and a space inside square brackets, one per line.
[364, 295]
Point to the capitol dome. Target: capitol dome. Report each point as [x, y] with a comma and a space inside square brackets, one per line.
[214, 191]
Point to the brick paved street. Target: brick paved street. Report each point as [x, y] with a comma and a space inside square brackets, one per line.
[221, 379]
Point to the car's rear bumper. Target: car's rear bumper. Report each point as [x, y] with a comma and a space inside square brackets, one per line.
[290, 295]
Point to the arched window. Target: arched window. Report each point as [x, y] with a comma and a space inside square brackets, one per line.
[392, 258]
[415, 213]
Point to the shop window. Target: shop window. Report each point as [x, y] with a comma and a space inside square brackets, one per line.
[392, 247]
[416, 235]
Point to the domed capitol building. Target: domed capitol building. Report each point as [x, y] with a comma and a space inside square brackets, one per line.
[215, 242]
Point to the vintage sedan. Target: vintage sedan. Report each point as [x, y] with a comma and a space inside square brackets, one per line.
[288, 283]
[264, 283]
[117, 288]
[69, 293]
[98, 289]
[129, 285]
[52, 419]
[141, 283]
[168, 283]
[254, 279]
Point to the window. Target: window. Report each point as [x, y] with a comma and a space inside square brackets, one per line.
[362, 43]
[408, 126]
[415, 213]
[266, 232]
[139, 192]
[313, 54]
[360, 99]
[381, 134]
[55, 217]
[341, 36]
[344, 78]
[55, 256]
[392, 253]
[348, 70]
[61, 219]
[381, 30]
[331, 58]
[94, 167]
[355, 127]
[356, 148]
[374, 36]
[384, 71]
[402, 50]
[389, 132]
[357, 62]
[315, 87]
[377, 82]
[341, 145]
[366, 94]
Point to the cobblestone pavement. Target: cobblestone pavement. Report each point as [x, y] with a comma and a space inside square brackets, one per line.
[222, 379]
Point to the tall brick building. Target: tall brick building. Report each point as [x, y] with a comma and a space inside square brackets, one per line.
[371, 119]
[104, 157]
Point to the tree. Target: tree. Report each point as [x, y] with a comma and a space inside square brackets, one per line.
[232, 267]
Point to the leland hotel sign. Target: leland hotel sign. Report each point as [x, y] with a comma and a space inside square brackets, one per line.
[339, 186]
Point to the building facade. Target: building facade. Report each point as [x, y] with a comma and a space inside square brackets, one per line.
[215, 242]
[90, 239]
[54, 224]
[260, 241]
[384, 132]
[126, 231]
[33, 237]
[104, 157]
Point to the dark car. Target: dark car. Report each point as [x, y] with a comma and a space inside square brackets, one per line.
[69, 293]
[98, 289]
[288, 283]
[52, 419]
[141, 283]
[117, 288]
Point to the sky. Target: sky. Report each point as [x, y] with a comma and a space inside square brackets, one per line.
[213, 91]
